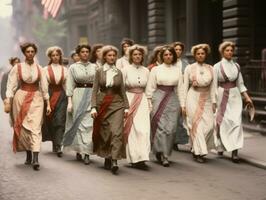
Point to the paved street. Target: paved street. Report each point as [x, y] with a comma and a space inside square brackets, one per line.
[67, 179]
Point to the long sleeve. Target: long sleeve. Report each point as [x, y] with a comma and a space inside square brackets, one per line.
[180, 92]
[240, 83]
[213, 87]
[123, 92]
[152, 84]
[70, 83]
[3, 86]
[95, 89]
[44, 85]
[185, 87]
[12, 82]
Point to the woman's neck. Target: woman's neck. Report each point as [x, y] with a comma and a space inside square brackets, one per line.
[30, 62]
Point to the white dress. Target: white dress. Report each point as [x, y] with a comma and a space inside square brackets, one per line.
[230, 130]
[122, 62]
[138, 144]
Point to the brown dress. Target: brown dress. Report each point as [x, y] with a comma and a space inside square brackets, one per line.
[110, 103]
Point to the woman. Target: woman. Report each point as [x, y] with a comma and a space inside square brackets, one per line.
[230, 86]
[78, 133]
[155, 58]
[96, 54]
[200, 103]
[123, 61]
[181, 133]
[54, 124]
[28, 104]
[164, 90]
[109, 107]
[137, 124]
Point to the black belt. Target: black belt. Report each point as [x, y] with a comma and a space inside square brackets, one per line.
[84, 85]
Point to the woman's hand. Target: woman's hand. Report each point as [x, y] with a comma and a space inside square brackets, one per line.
[214, 106]
[48, 110]
[150, 104]
[69, 107]
[184, 112]
[7, 105]
[94, 113]
[126, 113]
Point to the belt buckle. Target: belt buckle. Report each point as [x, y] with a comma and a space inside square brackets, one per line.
[85, 84]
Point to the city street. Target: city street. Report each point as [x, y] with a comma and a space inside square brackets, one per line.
[67, 179]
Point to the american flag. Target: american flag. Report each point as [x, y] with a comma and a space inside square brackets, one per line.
[51, 7]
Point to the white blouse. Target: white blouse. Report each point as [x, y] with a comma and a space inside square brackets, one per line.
[122, 62]
[57, 69]
[111, 71]
[168, 75]
[29, 75]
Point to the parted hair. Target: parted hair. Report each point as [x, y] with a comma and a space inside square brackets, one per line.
[225, 44]
[168, 48]
[205, 47]
[128, 41]
[106, 49]
[12, 60]
[95, 47]
[174, 44]
[140, 48]
[81, 46]
[26, 45]
[49, 52]
[156, 51]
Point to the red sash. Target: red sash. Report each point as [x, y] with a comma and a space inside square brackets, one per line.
[131, 114]
[56, 89]
[25, 105]
[107, 100]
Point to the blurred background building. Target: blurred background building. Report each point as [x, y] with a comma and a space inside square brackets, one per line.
[154, 22]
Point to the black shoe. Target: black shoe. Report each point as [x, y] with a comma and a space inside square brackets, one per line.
[165, 162]
[194, 156]
[79, 157]
[114, 167]
[220, 153]
[200, 159]
[28, 158]
[35, 162]
[158, 156]
[59, 154]
[107, 163]
[140, 165]
[87, 159]
[175, 147]
[235, 158]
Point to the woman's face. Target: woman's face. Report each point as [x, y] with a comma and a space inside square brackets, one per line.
[110, 57]
[178, 50]
[98, 53]
[168, 57]
[30, 53]
[16, 62]
[228, 53]
[55, 57]
[200, 55]
[137, 57]
[125, 47]
[75, 58]
[84, 54]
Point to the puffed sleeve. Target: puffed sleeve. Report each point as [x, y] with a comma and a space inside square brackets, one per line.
[152, 83]
[70, 82]
[12, 82]
[240, 83]
[185, 86]
[44, 84]
[119, 64]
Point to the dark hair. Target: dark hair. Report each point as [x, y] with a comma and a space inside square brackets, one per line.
[65, 61]
[26, 45]
[60, 59]
[95, 47]
[153, 58]
[179, 44]
[128, 41]
[13, 59]
[172, 50]
[81, 46]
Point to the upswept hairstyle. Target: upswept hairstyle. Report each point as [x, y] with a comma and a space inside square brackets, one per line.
[174, 44]
[49, 52]
[140, 48]
[153, 58]
[205, 47]
[106, 49]
[26, 45]
[128, 41]
[168, 48]
[95, 47]
[225, 44]
[81, 46]
[12, 60]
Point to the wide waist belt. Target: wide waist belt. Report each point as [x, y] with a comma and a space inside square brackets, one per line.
[84, 85]
[166, 88]
[55, 87]
[201, 89]
[137, 90]
[29, 87]
[227, 85]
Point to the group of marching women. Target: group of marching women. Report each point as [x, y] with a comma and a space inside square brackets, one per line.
[118, 108]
